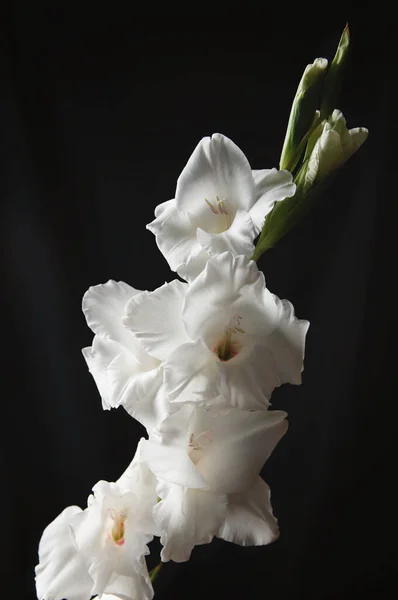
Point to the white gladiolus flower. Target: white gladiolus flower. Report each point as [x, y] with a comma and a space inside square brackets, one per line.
[101, 550]
[330, 146]
[223, 335]
[208, 463]
[125, 374]
[220, 204]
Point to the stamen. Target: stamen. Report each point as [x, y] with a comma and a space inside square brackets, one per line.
[212, 207]
[221, 206]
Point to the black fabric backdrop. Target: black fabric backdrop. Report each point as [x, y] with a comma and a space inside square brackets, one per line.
[98, 118]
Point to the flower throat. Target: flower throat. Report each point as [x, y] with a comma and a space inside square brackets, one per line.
[227, 348]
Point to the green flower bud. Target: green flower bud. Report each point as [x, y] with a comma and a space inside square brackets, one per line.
[335, 74]
[303, 111]
[328, 148]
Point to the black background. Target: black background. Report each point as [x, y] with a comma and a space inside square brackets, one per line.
[99, 114]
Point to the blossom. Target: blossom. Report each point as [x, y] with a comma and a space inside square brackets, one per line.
[220, 204]
[125, 374]
[207, 462]
[224, 335]
[329, 147]
[100, 550]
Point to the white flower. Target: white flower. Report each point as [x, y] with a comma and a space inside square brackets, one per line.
[220, 204]
[125, 374]
[330, 146]
[208, 463]
[101, 550]
[223, 335]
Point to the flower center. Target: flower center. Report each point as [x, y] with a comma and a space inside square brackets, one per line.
[220, 208]
[228, 347]
[116, 527]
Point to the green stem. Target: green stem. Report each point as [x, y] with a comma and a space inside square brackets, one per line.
[155, 572]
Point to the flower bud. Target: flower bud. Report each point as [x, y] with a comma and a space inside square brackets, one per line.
[335, 74]
[303, 112]
[328, 148]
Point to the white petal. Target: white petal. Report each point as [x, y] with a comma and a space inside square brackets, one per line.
[272, 186]
[187, 518]
[238, 238]
[87, 528]
[217, 167]
[287, 343]
[194, 265]
[237, 445]
[166, 454]
[155, 318]
[190, 373]
[175, 236]
[164, 207]
[248, 384]
[140, 480]
[61, 572]
[103, 306]
[137, 586]
[172, 464]
[149, 408]
[228, 286]
[249, 519]
[122, 381]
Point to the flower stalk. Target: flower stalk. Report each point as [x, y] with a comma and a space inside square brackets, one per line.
[316, 146]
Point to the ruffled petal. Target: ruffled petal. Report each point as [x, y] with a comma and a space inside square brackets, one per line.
[175, 236]
[272, 186]
[121, 380]
[249, 520]
[216, 168]
[140, 480]
[238, 238]
[286, 344]
[61, 572]
[103, 306]
[155, 319]
[186, 518]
